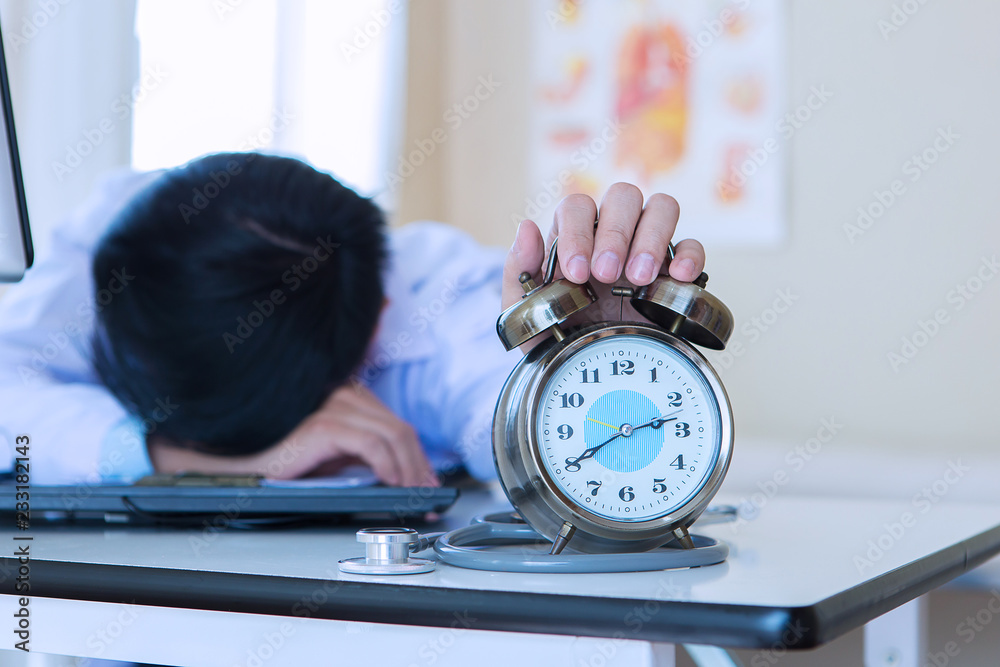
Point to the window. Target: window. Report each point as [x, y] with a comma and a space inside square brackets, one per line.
[315, 79]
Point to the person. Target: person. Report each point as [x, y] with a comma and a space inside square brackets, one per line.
[246, 313]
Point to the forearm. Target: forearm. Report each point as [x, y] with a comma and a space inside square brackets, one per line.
[170, 458]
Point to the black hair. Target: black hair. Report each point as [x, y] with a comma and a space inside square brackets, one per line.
[253, 287]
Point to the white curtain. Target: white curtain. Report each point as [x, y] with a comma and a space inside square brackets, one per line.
[73, 69]
[314, 79]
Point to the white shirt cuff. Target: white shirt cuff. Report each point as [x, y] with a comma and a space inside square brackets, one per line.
[123, 453]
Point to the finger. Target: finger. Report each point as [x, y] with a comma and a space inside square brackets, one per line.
[574, 224]
[295, 456]
[525, 255]
[414, 468]
[370, 448]
[620, 211]
[406, 446]
[689, 260]
[362, 410]
[652, 237]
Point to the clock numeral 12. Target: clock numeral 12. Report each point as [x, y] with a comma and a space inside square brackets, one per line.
[625, 367]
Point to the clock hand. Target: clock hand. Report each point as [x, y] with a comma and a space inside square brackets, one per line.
[657, 422]
[597, 421]
[588, 453]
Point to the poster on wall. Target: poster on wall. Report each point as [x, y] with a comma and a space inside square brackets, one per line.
[685, 97]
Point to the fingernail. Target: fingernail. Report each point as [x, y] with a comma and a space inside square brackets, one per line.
[686, 268]
[516, 246]
[577, 268]
[608, 266]
[643, 268]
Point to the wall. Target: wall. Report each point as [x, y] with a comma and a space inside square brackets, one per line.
[852, 302]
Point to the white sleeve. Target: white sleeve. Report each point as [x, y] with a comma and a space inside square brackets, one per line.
[437, 361]
[78, 432]
[472, 366]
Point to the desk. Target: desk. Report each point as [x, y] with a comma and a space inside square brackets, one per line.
[801, 573]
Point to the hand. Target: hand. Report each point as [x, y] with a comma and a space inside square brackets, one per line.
[630, 240]
[352, 425]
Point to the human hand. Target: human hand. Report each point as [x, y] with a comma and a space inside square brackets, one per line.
[630, 239]
[351, 426]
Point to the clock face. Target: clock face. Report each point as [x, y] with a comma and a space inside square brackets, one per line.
[628, 428]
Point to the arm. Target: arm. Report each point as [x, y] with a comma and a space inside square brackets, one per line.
[79, 432]
[351, 426]
[458, 390]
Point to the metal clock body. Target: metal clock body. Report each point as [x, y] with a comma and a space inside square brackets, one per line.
[614, 437]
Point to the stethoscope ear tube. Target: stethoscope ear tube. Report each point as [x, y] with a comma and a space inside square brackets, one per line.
[463, 548]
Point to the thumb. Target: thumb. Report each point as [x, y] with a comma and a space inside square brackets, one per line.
[526, 254]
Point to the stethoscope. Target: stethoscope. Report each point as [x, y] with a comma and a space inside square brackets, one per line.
[485, 544]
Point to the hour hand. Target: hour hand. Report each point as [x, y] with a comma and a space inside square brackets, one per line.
[572, 465]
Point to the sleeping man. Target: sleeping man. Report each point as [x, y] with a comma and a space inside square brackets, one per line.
[246, 313]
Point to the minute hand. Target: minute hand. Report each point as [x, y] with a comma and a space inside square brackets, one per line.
[657, 422]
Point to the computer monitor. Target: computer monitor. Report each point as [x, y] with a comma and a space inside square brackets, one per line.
[16, 251]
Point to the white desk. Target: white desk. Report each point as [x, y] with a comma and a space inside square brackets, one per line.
[794, 580]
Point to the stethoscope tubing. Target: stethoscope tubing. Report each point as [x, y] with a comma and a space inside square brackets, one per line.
[467, 547]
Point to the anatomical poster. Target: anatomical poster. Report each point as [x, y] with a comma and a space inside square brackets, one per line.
[685, 97]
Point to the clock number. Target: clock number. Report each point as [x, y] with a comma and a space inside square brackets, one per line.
[674, 398]
[572, 465]
[571, 400]
[586, 376]
[659, 486]
[683, 430]
[626, 494]
[565, 432]
[625, 367]
[652, 372]
[596, 485]
[679, 462]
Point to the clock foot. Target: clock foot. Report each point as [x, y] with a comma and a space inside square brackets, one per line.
[563, 538]
[683, 537]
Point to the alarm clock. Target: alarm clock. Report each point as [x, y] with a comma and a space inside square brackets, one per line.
[613, 436]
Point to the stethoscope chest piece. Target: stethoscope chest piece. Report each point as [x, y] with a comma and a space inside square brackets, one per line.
[387, 551]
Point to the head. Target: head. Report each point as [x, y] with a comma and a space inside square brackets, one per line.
[256, 290]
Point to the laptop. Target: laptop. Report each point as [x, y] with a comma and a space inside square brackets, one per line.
[16, 251]
[192, 500]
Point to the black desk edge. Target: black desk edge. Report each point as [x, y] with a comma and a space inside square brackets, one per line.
[733, 626]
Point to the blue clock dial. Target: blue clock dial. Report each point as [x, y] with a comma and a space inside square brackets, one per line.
[634, 417]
